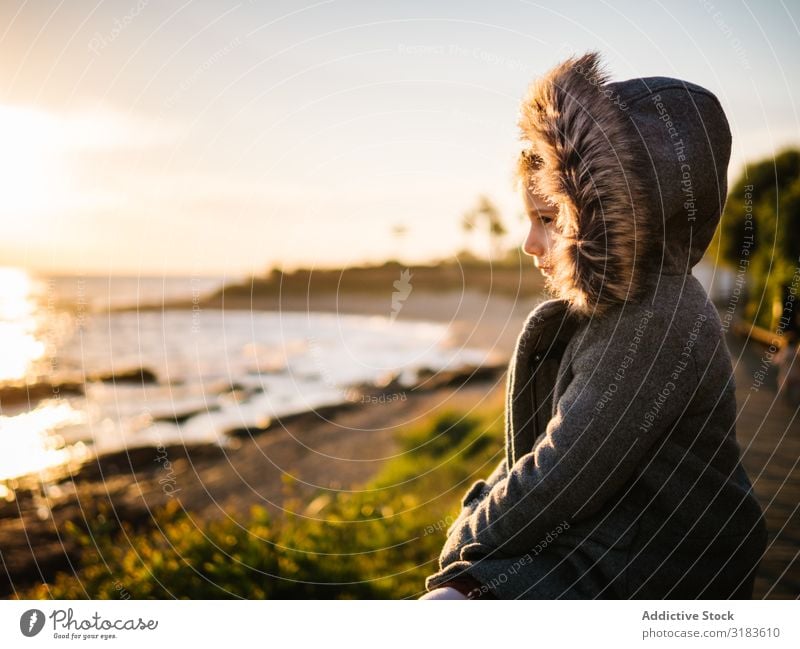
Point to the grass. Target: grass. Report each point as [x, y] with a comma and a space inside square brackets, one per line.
[380, 542]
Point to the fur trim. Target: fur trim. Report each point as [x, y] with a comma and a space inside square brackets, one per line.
[590, 170]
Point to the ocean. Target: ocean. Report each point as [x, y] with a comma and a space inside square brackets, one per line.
[207, 372]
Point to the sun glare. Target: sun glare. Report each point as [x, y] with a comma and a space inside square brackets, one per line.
[19, 344]
[31, 167]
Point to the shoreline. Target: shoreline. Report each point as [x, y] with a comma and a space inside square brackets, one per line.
[490, 321]
[334, 448]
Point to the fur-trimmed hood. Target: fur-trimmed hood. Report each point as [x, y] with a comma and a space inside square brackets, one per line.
[638, 169]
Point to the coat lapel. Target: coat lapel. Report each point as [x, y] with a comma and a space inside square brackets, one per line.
[532, 370]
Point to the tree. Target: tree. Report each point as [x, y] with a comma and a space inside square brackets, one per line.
[759, 233]
[486, 214]
[399, 232]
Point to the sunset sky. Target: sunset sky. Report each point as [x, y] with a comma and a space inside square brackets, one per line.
[209, 137]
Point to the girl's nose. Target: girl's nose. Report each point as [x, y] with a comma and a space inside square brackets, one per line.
[536, 243]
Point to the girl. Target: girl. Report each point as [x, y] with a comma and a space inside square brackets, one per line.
[622, 474]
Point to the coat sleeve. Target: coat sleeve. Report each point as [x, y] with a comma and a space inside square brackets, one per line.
[478, 491]
[630, 382]
[481, 487]
[451, 550]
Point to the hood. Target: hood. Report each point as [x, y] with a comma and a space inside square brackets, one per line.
[638, 169]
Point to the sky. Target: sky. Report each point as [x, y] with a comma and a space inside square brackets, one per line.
[205, 137]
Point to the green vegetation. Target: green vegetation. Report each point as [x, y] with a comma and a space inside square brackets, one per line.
[512, 275]
[760, 232]
[380, 542]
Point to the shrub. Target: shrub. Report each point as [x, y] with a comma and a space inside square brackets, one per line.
[379, 542]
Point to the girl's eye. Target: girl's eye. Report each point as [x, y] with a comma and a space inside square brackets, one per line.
[547, 220]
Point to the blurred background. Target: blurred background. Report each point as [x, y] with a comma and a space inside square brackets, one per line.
[260, 278]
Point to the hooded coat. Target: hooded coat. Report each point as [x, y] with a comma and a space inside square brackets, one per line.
[622, 474]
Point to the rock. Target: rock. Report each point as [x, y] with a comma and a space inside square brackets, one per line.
[142, 459]
[136, 375]
[182, 417]
[32, 392]
[454, 378]
[310, 416]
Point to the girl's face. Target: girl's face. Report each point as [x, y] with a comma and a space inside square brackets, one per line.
[542, 218]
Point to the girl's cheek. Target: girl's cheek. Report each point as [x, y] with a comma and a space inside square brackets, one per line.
[550, 236]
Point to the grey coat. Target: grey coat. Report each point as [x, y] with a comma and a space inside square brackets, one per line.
[622, 475]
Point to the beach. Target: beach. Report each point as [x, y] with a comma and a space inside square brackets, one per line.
[334, 446]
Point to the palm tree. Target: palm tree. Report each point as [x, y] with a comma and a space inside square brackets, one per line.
[399, 232]
[486, 213]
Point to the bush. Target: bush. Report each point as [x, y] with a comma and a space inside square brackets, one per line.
[759, 232]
